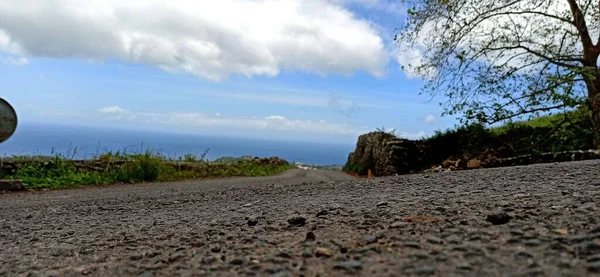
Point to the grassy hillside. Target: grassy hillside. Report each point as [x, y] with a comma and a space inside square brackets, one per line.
[567, 120]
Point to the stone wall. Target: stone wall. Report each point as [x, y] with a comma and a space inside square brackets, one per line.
[385, 155]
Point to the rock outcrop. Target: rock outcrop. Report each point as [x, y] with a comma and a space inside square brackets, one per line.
[384, 154]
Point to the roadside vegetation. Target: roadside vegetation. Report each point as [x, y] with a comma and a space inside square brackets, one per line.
[559, 132]
[61, 171]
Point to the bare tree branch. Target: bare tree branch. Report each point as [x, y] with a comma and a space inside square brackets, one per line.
[556, 61]
[580, 24]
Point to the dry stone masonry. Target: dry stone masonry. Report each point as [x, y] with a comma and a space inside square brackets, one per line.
[386, 155]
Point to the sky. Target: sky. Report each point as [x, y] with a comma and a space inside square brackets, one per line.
[312, 70]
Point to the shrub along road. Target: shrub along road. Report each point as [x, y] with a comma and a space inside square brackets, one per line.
[538, 220]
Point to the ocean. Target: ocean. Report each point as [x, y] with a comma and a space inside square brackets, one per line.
[85, 142]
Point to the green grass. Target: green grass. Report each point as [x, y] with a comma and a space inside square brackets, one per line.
[42, 172]
[539, 122]
[546, 121]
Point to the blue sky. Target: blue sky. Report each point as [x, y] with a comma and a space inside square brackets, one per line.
[341, 80]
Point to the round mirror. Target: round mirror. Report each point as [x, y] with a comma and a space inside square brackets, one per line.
[8, 120]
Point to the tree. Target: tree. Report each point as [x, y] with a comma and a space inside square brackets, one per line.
[501, 60]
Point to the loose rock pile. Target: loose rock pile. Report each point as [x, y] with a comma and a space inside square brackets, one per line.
[490, 161]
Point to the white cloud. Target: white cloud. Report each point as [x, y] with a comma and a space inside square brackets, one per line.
[338, 104]
[199, 120]
[211, 39]
[6, 45]
[411, 57]
[412, 136]
[15, 61]
[275, 117]
[388, 6]
[112, 110]
[429, 118]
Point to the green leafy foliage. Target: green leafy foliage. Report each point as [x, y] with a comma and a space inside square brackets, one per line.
[353, 167]
[560, 132]
[506, 61]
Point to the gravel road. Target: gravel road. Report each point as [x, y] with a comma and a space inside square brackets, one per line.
[537, 220]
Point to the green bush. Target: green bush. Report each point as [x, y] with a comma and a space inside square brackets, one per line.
[456, 142]
[143, 168]
[57, 172]
[562, 132]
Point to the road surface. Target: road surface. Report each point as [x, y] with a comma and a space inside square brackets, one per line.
[538, 220]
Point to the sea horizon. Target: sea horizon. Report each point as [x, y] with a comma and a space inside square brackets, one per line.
[84, 142]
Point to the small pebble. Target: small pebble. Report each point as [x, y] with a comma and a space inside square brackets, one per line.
[425, 271]
[524, 254]
[434, 240]
[453, 239]
[310, 236]
[399, 224]
[516, 232]
[176, 256]
[513, 240]
[464, 266]
[534, 272]
[594, 267]
[498, 218]
[284, 255]
[369, 239]
[460, 248]
[532, 242]
[348, 265]
[593, 258]
[280, 274]
[412, 244]
[323, 252]
[252, 221]
[365, 249]
[237, 261]
[590, 247]
[564, 263]
[136, 256]
[297, 221]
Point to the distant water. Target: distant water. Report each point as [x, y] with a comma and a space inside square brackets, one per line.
[33, 139]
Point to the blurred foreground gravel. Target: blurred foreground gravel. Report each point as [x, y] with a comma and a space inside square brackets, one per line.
[538, 220]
